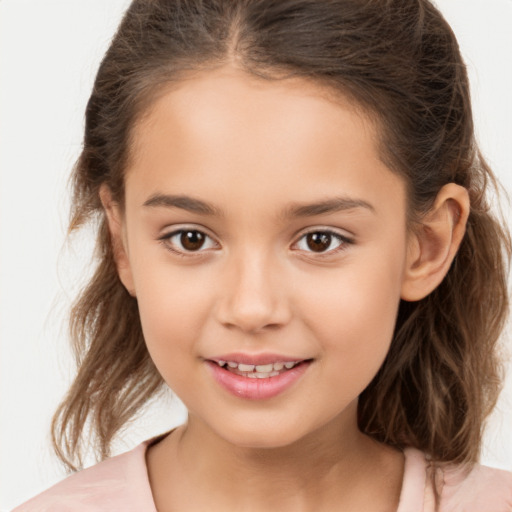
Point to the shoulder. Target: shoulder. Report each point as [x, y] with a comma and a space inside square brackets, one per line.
[118, 483]
[474, 490]
[459, 489]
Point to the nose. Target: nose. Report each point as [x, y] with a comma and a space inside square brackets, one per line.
[253, 296]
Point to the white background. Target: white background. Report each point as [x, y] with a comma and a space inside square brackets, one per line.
[50, 51]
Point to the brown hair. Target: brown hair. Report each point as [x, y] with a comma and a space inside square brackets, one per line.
[400, 61]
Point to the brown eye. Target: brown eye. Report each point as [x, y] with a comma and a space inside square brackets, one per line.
[192, 240]
[323, 242]
[318, 242]
[183, 241]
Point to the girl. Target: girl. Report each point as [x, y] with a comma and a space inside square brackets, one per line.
[294, 236]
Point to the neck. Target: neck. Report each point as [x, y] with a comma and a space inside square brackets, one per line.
[333, 465]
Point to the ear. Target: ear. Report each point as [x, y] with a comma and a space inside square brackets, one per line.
[433, 245]
[118, 237]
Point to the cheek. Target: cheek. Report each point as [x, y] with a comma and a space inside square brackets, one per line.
[172, 298]
[356, 317]
[173, 310]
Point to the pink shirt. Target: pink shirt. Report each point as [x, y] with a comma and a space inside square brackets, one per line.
[121, 484]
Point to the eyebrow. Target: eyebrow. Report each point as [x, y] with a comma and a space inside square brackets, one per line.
[184, 202]
[200, 207]
[333, 205]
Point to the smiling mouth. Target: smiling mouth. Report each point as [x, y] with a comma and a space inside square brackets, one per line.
[257, 377]
[260, 371]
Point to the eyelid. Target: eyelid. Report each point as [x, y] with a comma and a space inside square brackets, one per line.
[178, 229]
[344, 240]
[165, 238]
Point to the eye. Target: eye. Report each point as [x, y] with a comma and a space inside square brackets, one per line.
[322, 242]
[188, 240]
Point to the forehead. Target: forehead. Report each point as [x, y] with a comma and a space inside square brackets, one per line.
[228, 132]
[208, 103]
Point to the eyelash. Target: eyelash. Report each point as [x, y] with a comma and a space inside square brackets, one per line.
[166, 242]
[344, 241]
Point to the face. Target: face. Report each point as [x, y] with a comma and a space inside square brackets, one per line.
[262, 231]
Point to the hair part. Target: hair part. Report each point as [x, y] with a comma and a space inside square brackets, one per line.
[400, 62]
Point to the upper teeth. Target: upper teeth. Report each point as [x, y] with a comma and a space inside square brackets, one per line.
[261, 368]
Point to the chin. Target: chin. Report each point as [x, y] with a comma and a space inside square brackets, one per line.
[261, 435]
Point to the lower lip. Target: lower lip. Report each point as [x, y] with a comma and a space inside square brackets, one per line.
[257, 389]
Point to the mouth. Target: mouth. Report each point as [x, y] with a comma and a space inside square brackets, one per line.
[257, 371]
[257, 377]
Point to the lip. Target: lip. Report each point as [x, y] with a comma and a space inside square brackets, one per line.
[257, 389]
[256, 359]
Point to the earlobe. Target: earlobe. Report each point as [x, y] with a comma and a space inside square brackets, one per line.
[434, 244]
[119, 247]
